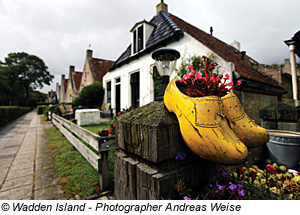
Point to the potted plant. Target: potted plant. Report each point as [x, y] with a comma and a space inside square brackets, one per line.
[212, 121]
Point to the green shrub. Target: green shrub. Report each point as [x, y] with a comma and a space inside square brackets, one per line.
[45, 103]
[9, 113]
[52, 109]
[91, 96]
[41, 109]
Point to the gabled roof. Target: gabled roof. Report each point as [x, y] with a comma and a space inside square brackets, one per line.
[169, 27]
[164, 31]
[100, 67]
[65, 85]
[245, 68]
[76, 79]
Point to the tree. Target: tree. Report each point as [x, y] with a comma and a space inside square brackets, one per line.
[5, 88]
[90, 96]
[27, 71]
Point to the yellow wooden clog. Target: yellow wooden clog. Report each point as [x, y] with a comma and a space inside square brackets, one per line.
[204, 128]
[245, 128]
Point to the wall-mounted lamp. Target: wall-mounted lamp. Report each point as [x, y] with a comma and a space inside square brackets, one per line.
[165, 60]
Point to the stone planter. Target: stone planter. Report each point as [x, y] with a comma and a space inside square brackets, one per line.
[284, 148]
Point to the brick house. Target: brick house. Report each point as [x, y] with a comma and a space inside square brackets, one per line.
[130, 83]
[282, 74]
[73, 84]
[94, 69]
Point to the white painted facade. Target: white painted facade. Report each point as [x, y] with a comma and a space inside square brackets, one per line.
[187, 46]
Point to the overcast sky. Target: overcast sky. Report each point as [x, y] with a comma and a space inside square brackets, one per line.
[60, 31]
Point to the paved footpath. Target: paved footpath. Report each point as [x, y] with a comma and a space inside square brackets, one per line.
[26, 163]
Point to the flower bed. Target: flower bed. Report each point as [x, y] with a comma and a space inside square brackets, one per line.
[271, 182]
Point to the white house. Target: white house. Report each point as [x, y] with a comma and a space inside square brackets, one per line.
[129, 82]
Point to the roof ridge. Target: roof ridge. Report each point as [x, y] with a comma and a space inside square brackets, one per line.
[170, 22]
[96, 58]
[227, 52]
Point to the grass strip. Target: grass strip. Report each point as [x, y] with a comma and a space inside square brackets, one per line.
[77, 176]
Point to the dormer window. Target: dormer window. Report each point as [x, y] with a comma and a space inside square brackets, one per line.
[141, 32]
[138, 39]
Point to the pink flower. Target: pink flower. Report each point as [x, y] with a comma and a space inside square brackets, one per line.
[181, 80]
[226, 77]
[230, 84]
[185, 76]
[190, 74]
[198, 76]
[190, 67]
[194, 71]
[238, 83]
[212, 78]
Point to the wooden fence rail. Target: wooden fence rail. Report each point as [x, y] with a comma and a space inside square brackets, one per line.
[101, 144]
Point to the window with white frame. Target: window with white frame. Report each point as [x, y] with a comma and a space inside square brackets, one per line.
[138, 39]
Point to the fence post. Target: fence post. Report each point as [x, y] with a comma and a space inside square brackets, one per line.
[103, 168]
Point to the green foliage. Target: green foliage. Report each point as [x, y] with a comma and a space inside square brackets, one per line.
[25, 72]
[77, 176]
[10, 113]
[196, 61]
[95, 127]
[45, 103]
[52, 109]
[91, 96]
[41, 109]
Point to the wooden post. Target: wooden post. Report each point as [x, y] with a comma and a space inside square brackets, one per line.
[105, 145]
[103, 171]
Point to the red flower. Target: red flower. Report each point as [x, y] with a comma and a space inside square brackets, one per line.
[253, 174]
[122, 111]
[110, 131]
[113, 125]
[210, 84]
[226, 77]
[119, 113]
[271, 169]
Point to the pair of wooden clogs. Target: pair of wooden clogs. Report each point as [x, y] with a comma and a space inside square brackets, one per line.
[216, 129]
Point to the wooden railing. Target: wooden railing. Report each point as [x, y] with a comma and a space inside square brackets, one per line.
[101, 144]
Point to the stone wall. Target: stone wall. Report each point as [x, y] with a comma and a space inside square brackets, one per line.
[254, 102]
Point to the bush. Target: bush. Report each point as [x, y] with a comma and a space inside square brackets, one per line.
[91, 96]
[52, 109]
[41, 109]
[45, 103]
[9, 113]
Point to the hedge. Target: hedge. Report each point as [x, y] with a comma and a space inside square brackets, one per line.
[9, 113]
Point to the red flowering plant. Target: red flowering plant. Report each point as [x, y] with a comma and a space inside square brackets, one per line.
[195, 85]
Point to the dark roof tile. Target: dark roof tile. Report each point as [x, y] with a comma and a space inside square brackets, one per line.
[245, 68]
[100, 67]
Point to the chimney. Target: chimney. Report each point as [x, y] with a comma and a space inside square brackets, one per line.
[236, 45]
[72, 69]
[89, 53]
[161, 6]
[211, 30]
[243, 54]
